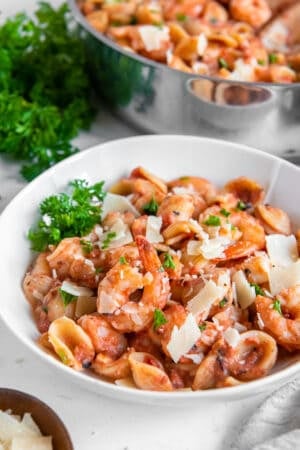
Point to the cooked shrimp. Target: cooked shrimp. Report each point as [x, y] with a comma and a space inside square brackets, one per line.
[285, 327]
[38, 280]
[206, 189]
[246, 189]
[214, 12]
[191, 8]
[274, 220]
[105, 339]
[257, 268]
[176, 208]
[254, 12]
[136, 316]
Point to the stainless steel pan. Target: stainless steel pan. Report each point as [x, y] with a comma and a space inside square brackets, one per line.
[159, 99]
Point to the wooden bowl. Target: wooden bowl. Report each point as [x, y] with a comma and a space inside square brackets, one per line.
[46, 419]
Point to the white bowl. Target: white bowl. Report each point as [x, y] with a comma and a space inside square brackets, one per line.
[168, 157]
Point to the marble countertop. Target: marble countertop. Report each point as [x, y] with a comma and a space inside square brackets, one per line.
[96, 422]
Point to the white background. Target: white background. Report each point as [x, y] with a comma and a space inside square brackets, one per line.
[94, 422]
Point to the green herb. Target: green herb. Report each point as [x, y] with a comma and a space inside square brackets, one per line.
[203, 326]
[87, 246]
[116, 23]
[184, 178]
[123, 260]
[99, 270]
[161, 269]
[223, 63]
[223, 302]
[63, 356]
[224, 212]
[261, 62]
[233, 227]
[258, 289]
[213, 20]
[181, 17]
[68, 215]
[66, 297]
[44, 88]
[241, 205]
[273, 58]
[213, 221]
[108, 238]
[151, 207]
[158, 319]
[277, 306]
[168, 261]
[158, 24]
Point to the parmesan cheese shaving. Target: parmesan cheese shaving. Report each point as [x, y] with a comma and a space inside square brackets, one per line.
[183, 338]
[123, 235]
[231, 336]
[153, 36]
[205, 298]
[245, 293]
[74, 289]
[196, 358]
[282, 250]
[260, 322]
[209, 248]
[120, 203]
[202, 44]
[284, 277]
[153, 229]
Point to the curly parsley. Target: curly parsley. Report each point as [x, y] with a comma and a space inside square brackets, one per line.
[158, 319]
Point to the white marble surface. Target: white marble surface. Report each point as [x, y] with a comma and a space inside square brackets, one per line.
[96, 422]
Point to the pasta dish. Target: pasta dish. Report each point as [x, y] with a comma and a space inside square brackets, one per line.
[241, 40]
[166, 285]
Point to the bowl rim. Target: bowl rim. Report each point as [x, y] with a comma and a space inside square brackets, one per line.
[80, 18]
[46, 408]
[143, 395]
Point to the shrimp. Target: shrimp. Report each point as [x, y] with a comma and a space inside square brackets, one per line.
[246, 189]
[38, 280]
[254, 12]
[204, 188]
[274, 220]
[176, 208]
[69, 260]
[214, 13]
[191, 8]
[130, 315]
[105, 339]
[285, 327]
[257, 268]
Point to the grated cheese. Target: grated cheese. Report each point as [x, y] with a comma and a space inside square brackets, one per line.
[205, 298]
[153, 229]
[183, 338]
[202, 44]
[232, 337]
[120, 203]
[245, 293]
[282, 250]
[74, 289]
[152, 36]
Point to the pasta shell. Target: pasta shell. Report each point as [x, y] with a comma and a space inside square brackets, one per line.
[148, 372]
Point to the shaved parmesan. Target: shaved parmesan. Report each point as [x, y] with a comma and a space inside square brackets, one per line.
[284, 277]
[202, 44]
[153, 36]
[120, 203]
[30, 443]
[30, 423]
[183, 338]
[245, 293]
[243, 71]
[282, 250]
[74, 289]
[126, 382]
[205, 298]
[153, 229]
[123, 234]
[231, 336]
[209, 248]
[195, 357]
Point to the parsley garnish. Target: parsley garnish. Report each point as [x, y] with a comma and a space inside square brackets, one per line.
[223, 63]
[273, 58]
[168, 261]
[71, 215]
[109, 237]
[224, 212]
[44, 88]
[67, 298]
[258, 289]
[213, 221]
[87, 246]
[241, 205]
[223, 302]
[181, 17]
[123, 260]
[277, 306]
[151, 207]
[203, 326]
[261, 62]
[99, 270]
[158, 319]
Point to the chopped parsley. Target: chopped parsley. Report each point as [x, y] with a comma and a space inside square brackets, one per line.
[99, 270]
[273, 58]
[223, 302]
[277, 306]
[158, 319]
[261, 62]
[151, 207]
[223, 63]
[68, 215]
[258, 289]
[213, 221]
[181, 17]
[168, 261]
[67, 298]
[224, 212]
[87, 246]
[109, 237]
[241, 205]
[203, 326]
[123, 260]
